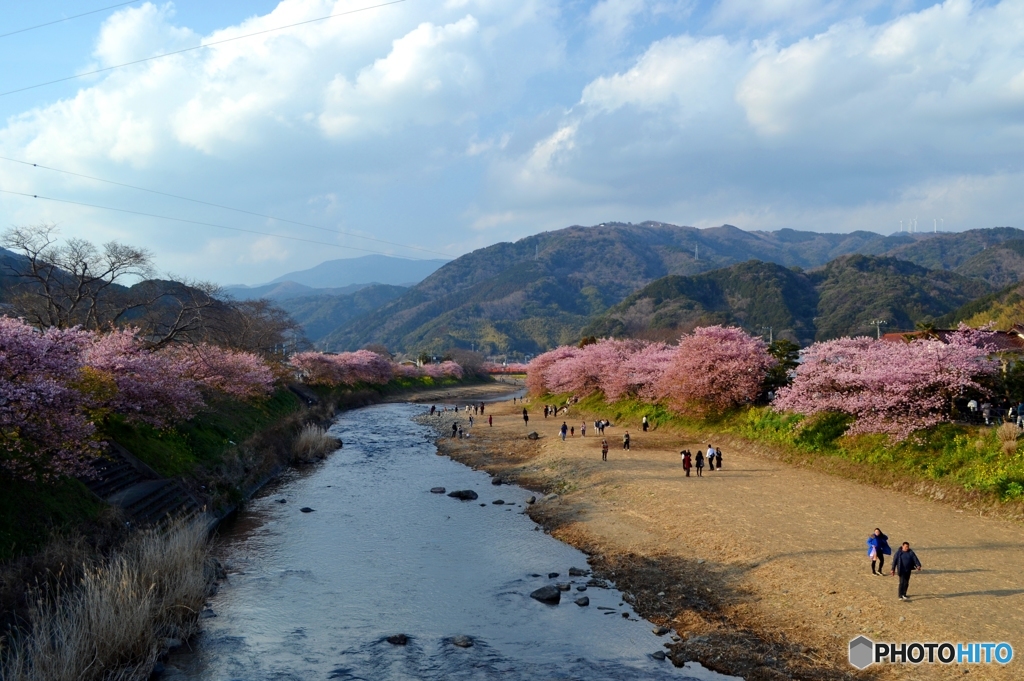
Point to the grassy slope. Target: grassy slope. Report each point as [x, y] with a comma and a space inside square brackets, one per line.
[955, 456]
[30, 513]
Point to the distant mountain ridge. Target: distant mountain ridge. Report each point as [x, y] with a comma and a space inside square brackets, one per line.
[842, 298]
[543, 290]
[367, 269]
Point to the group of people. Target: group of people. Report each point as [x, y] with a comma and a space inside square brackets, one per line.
[713, 459]
[903, 563]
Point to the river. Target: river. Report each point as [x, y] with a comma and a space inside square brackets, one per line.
[315, 595]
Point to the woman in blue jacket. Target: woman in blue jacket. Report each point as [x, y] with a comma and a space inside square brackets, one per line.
[878, 549]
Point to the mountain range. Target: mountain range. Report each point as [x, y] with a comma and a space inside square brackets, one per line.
[544, 290]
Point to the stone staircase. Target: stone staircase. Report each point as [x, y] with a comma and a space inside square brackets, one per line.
[146, 498]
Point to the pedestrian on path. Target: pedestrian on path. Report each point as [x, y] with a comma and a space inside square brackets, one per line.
[490, 419]
[699, 461]
[526, 417]
[718, 457]
[625, 441]
[878, 549]
[604, 450]
[583, 429]
[686, 461]
[645, 423]
[903, 563]
[563, 430]
[455, 429]
[711, 458]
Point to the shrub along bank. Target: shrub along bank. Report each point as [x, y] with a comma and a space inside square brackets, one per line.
[971, 464]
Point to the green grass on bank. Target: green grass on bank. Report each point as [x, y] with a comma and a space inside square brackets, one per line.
[970, 457]
[202, 440]
[30, 512]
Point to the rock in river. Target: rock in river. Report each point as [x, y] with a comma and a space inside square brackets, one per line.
[398, 639]
[497, 502]
[564, 586]
[547, 594]
[462, 641]
[437, 490]
[531, 499]
[463, 494]
[660, 631]
[496, 481]
[307, 509]
[577, 572]
[583, 601]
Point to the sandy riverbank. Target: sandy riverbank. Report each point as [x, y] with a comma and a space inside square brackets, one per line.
[761, 568]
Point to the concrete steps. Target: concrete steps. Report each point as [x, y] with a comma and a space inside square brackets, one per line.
[146, 498]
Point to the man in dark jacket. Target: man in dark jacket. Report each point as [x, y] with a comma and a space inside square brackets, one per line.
[904, 562]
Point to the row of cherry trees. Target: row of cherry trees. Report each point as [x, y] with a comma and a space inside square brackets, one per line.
[57, 385]
[892, 388]
[364, 367]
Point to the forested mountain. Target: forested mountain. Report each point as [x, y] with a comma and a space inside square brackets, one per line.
[543, 290]
[319, 315]
[841, 298]
[367, 269]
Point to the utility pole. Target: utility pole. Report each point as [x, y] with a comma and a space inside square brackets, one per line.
[878, 327]
[771, 336]
[696, 248]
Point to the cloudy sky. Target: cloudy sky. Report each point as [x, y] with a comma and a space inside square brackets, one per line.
[440, 126]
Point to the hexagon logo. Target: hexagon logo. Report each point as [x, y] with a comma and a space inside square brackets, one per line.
[862, 652]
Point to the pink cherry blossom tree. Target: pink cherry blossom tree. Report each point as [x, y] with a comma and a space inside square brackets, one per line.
[640, 374]
[44, 431]
[240, 374]
[591, 368]
[889, 387]
[537, 369]
[152, 387]
[715, 368]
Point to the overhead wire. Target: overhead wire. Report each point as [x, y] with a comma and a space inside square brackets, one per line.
[191, 222]
[74, 16]
[218, 205]
[200, 47]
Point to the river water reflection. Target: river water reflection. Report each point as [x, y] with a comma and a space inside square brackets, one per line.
[314, 595]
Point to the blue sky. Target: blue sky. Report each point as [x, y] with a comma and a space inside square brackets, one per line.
[443, 126]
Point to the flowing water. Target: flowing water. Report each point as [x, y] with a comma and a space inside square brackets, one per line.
[315, 595]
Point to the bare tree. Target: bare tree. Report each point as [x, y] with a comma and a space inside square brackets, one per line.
[78, 284]
[67, 284]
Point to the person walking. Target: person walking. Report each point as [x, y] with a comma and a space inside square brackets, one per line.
[686, 461]
[718, 457]
[526, 417]
[490, 420]
[604, 450]
[455, 429]
[903, 563]
[563, 430]
[878, 549]
[625, 441]
[572, 431]
[699, 463]
[470, 421]
[645, 423]
[583, 429]
[711, 458]
[481, 409]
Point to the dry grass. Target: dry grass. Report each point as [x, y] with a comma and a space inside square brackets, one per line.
[111, 624]
[313, 444]
[1008, 434]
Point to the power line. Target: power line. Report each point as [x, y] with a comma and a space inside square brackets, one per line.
[217, 205]
[199, 47]
[190, 222]
[75, 16]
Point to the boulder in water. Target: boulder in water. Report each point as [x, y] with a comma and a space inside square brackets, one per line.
[282, 501]
[552, 575]
[462, 641]
[658, 655]
[531, 499]
[398, 639]
[437, 490]
[564, 586]
[660, 631]
[582, 601]
[577, 572]
[547, 594]
[463, 495]
[496, 481]
[497, 502]
[307, 509]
